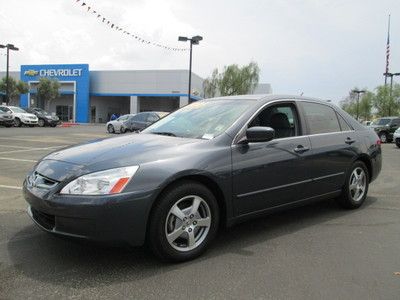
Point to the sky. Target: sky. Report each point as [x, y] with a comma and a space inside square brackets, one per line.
[316, 47]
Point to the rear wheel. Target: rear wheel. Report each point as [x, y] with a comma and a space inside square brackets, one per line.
[398, 142]
[17, 122]
[383, 137]
[41, 123]
[183, 222]
[110, 129]
[356, 186]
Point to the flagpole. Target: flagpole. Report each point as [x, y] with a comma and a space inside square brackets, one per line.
[387, 52]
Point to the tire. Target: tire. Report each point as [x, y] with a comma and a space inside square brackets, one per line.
[383, 137]
[41, 123]
[398, 142]
[110, 129]
[17, 122]
[122, 129]
[356, 189]
[187, 238]
[53, 125]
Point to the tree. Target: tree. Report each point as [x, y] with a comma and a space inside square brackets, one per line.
[234, 80]
[48, 89]
[365, 105]
[386, 104]
[15, 88]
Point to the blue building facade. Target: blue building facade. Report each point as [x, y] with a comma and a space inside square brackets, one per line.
[75, 78]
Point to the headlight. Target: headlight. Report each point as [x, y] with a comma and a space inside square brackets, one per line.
[111, 181]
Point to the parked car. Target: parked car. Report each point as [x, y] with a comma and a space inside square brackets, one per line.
[115, 125]
[385, 127]
[20, 116]
[44, 118]
[215, 161]
[141, 120]
[396, 137]
[6, 118]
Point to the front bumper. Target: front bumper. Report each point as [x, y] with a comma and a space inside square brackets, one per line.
[108, 218]
[51, 122]
[6, 122]
[29, 121]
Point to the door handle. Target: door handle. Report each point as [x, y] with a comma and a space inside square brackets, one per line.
[301, 149]
[349, 141]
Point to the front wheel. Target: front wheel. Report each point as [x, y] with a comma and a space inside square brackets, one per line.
[383, 137]
[398, 143]
[123, 129]
[356, 186]
[17, 122]
[41, 123]
[183, 222]
[110, 129]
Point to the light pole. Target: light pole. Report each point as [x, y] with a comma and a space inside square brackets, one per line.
[358, 92]
[9, 47]
[391, 75]
[195, 40]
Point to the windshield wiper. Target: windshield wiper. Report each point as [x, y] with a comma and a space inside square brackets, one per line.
[163, 133]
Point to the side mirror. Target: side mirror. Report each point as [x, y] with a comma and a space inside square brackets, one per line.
[259, 134]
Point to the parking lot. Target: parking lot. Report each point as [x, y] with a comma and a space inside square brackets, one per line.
[313, 252]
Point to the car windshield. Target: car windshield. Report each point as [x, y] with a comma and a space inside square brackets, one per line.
[18, 110]
[42, 111]
[123, 118]
[201, 120]
[383, 121]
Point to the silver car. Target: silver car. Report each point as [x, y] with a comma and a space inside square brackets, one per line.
[115, 126]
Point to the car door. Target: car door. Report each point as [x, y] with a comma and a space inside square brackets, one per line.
[138, 122]
[334, 145]
[273, 173]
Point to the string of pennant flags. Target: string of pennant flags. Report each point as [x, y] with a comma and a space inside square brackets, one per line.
[115, 26]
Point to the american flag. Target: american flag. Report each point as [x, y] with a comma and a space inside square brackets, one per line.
[387, 50]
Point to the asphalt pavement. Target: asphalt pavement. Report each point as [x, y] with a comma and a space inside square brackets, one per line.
[315, 252]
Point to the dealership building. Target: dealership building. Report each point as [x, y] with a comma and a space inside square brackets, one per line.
[88, 96]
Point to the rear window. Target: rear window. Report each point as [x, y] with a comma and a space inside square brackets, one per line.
[343, 124]
[320, 118]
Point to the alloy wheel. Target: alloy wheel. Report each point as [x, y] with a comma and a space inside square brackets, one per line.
[383, 137]
[188, 223]
[358, 184]
[41, 123]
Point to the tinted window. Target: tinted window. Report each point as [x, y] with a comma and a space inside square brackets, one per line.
[396, 122]
[282, 118]
[382, 121]
[141, 117]
[152, 118]
[343, 125]
[320, 118]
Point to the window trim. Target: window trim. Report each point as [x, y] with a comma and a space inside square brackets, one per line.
[324, 133]
[239, 135]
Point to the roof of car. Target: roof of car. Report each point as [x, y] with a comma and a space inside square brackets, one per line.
[267, 97]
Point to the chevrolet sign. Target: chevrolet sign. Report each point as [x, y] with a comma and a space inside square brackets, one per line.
[31, 73]
[60, 72]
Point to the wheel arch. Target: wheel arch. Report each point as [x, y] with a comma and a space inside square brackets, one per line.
[205, 180]
[367, 161]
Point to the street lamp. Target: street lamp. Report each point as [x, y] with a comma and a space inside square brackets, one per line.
[391, 75]
[193, 41]
[9, 47]
[358, 92]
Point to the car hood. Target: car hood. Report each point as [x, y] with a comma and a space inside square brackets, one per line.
[26, 115]
[131, 149]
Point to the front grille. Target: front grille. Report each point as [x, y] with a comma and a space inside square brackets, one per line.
[32, 117]
[39, 181]
[45, 220]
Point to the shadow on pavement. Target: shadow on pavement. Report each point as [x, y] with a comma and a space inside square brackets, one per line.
[69, 263]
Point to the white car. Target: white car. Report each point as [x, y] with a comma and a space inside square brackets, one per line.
[115, 126]
[396, 137]
[21, 116]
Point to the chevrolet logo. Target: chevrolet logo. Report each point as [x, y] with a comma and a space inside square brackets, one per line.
[31, 73]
